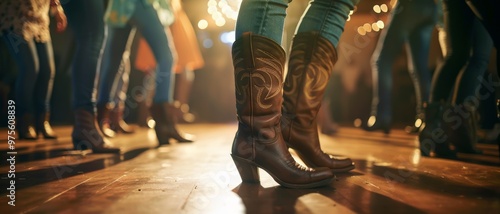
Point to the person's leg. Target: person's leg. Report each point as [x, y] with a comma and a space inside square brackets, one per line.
[147, 22]
[85, 19]
[487, 12]
[162, 110]
[418, 57]
[267, 18]
[183, 84]
[327, 17]
[112, 60]
[458, 21]
[259, 61]
[26, 58]
[312, 58]
[120, 91]
[464, 134]
[388, 48]
[476, 66]
[110, 77]
[43, 89]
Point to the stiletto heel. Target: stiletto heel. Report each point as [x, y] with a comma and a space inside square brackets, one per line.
[248, 171]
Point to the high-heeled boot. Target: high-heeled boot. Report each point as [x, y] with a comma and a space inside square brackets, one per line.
[460, 125]
[117, 123]
[86, 135]
[311, 62]
[104, 121]
[258, 72]
[432, 137]
[165, 127]
[25, 127]
[43, 126]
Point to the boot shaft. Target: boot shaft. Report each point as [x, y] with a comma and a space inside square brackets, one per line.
[258, 72]
[312, 59]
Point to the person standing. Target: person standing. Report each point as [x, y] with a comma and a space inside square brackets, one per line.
[24, 27]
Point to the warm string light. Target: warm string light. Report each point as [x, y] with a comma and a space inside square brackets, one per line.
[220, 10]
[376, 26]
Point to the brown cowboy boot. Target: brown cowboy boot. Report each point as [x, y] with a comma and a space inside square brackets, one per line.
[86, 135]
[258, 71]
[165, 127]
[311, 62]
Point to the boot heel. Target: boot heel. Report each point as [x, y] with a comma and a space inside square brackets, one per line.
[249, 173]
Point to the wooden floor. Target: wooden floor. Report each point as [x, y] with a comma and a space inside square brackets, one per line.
[390, 177]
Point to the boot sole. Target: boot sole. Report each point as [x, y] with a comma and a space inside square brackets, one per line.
[245, 164]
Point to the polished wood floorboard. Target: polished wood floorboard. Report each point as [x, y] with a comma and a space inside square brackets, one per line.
[200, 177]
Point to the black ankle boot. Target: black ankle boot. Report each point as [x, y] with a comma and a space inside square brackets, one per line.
[165, 127]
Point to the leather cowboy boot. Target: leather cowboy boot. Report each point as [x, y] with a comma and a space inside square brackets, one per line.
[85, 134]
[258, 72]
[104, 121]
[117, 124]
[165, 127]
[311, 62]
[43, 126]
[432, 136]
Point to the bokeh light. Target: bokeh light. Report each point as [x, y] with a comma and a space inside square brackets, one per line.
[202, 24]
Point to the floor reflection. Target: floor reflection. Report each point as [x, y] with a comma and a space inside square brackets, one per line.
[351, 199]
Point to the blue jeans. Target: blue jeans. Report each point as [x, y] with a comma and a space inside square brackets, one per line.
[459, 22]
[471, 76]
[85, 19]
[146, 20]
[115, 70]
[411, 24]
[35, 62]
[267, 17]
